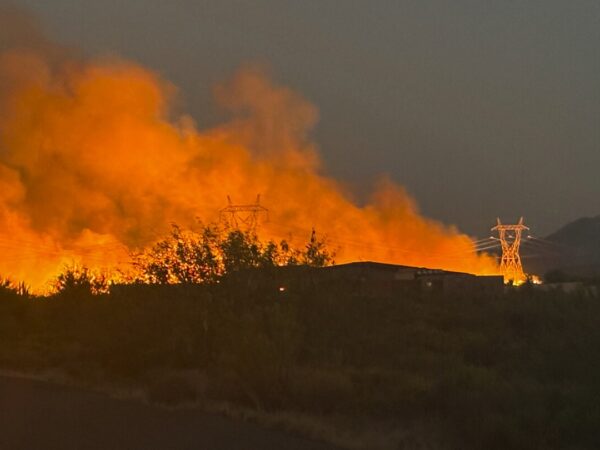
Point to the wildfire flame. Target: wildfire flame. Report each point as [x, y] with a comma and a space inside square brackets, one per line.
[94, 162]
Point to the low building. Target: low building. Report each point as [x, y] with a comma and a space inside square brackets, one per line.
[372, 278]
[369, 279]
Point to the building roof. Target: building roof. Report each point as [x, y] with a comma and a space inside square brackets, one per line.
[393, 268]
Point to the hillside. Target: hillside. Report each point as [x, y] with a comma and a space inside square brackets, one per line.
[573, 249]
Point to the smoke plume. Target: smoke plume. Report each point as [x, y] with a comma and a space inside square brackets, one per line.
[94, 163]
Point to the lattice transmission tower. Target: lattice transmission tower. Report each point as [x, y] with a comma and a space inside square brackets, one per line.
[243, 217]
[510, 264]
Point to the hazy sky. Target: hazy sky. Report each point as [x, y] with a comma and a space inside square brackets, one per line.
[479, 108]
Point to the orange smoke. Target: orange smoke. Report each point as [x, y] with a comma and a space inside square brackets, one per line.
[94, 163]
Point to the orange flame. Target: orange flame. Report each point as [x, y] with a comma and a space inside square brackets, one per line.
[95, 163]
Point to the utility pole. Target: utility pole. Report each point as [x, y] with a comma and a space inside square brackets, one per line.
[243, 217]
[510, 264]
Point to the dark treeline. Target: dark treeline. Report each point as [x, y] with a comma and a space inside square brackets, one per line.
[521, 371]
[205, 257]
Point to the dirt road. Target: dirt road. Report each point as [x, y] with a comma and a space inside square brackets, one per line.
[37, 415]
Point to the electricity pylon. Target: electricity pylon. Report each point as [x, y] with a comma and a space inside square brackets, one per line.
[243, 217]
[510, 264]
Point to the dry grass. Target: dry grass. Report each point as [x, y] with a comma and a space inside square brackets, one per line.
[191, 389]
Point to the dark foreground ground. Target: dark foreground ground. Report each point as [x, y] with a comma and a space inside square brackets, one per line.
[371, 370]
[40, 415]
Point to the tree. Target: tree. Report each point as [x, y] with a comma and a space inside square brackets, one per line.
[316, 253]
[182, 257]
[80, 280]
[242, 251]
[190, 257]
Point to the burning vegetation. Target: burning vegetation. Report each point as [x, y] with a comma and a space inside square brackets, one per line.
[187, 257]
[95, 164]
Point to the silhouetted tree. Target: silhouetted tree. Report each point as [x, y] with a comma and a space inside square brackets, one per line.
[182, 257]
[80, 280]
[189, 257]
[316, 253]
[243, 251]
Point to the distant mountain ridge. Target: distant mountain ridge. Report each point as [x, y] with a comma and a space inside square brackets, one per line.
[582, 233]
[573, 249]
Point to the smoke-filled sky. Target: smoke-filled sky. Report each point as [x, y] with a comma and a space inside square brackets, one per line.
[478, 108]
